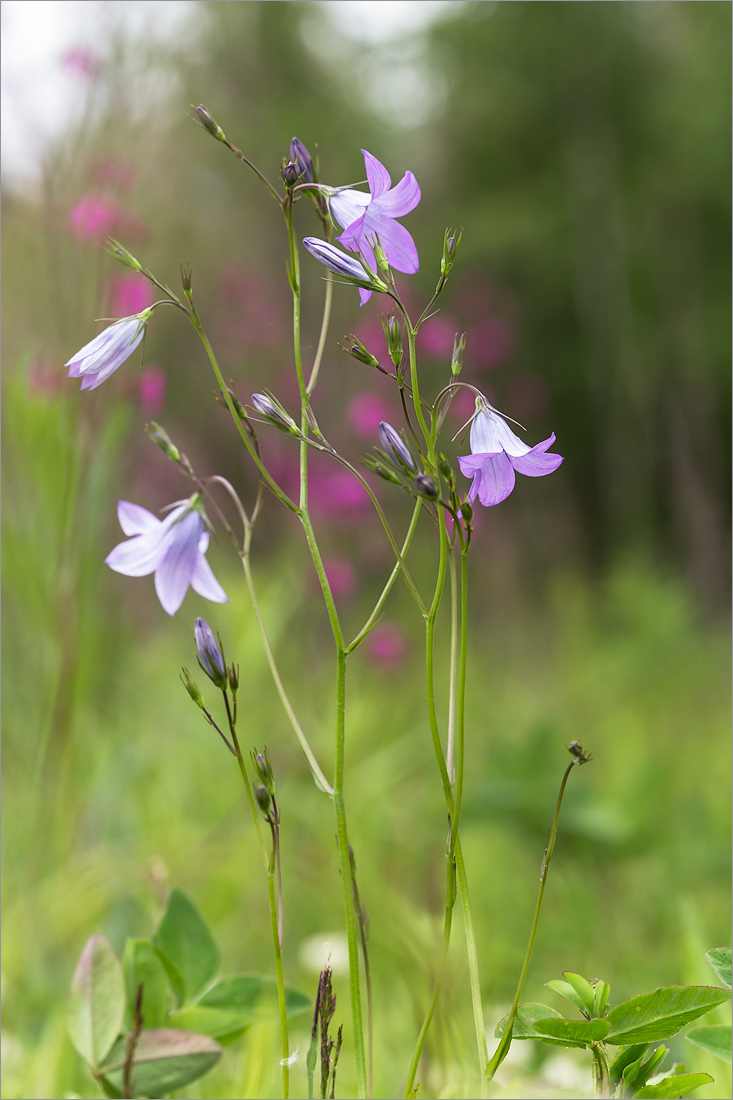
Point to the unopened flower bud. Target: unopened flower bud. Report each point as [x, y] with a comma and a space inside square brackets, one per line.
[210, 124]
[394, 446]
[467, 511]
[186, 278]
[445, 468]
[383, 471]
[209, 654]
[450, 247]
[459, 346]
[426, 486]
[393, 336]
[300, 155]
[263, 799]
[274, 412]
[576, 749]
[380, 256]
[121, 253]
[160, 436]
[358, 350]
[234, 678]
[289, 172]
[191, 688]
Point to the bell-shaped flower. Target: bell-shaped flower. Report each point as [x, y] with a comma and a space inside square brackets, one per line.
[496, 453]
[172, 548]
[101, 357]
[366, 217]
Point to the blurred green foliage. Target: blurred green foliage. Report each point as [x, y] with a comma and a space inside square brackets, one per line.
[584, 150]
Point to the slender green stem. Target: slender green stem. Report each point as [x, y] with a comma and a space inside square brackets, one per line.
[473, 971]
[338, 782]
[433, 1002]
[503, 1048]
[275, 916]
[371, 621]
[276, 919]
[322, 338]
[315, 768]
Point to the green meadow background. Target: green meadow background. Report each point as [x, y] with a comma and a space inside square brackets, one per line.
[584, 148]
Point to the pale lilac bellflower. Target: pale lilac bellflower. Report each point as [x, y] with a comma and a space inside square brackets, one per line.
[172, 548]
[101, 357]
[496, 452]
[364, 217]
[345, 266]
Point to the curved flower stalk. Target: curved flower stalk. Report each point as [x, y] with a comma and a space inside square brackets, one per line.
[496, 452]
[101, 357]
[172, 548]
[368, 217]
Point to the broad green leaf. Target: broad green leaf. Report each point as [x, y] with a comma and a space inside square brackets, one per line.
[165, 1059]
[253, 994]
[221, 1024]
[583, 988]
[720, 960]
[662, 1013]
[576, 1032]
[527, 1015]
[141, 963]
[97, 1004]
[566, 990]
[677, 1085]
[624, 1060]
[185, 938]
[716, 1040]
[638, 1073]
[172, 973]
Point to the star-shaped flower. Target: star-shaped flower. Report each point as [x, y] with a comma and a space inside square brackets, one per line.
[496, 452]
[172, 548]
[364, 217]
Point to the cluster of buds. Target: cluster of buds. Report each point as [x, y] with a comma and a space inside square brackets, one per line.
[265, 787]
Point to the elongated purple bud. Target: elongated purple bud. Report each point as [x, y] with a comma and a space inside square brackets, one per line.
[393, 444]
[343, 265]
[300, 156]
[209, 654]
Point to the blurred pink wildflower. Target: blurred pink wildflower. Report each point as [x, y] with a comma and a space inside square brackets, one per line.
[341, 576]
[93, 218]
[131, 293]
[365, 411]
[387, 645]
[81, 62]
[152, 390]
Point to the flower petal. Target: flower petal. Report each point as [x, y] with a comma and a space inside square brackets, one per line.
[136, 520]
[491, 434]
[347, 206]
[495, 480]
[378, 177]
[138, 556]
[537, 463]
[175, 570]
[397, 243]
[403, 197]
[205, 583]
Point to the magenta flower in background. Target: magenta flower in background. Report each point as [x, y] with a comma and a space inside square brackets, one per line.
[341, 576]
[172, 548]
[387, 645]
[81, 62]
[363, 217]
[436, 336]
[130, 293]
[152, 390]
[101, 357]
[93, 218]
[496, 452]
[365, 411]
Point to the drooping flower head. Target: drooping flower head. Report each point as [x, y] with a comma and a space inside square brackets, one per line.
[496, 452]
[101, 357]
[366, 217]
[172, 548]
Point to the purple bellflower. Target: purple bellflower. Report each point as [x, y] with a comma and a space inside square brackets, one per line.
[101, 357]
[496, 452]
[364, 217]
[209, 654]
[172, 548]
